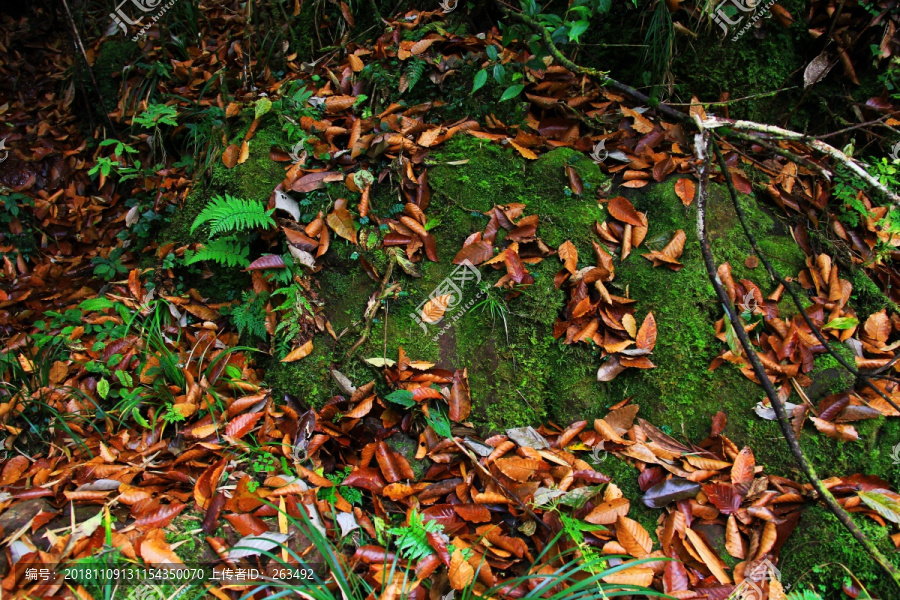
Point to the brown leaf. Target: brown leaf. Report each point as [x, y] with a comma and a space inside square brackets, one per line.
[269, 261]
[878, 326]
[621, 208]
[684, 189]
[709, 557]
[569, 255]
[843, 432]
[733, 542]
[575, 183]
[669, 255]
[520, 469]
[298, 353]
[356, 65]
[641, 123]
[476, 253]
[663, 168]
[646, 335]
[460, 399]
[231, 155]
[608, 512]
[336, 104]
[159, 518]
[743, 469]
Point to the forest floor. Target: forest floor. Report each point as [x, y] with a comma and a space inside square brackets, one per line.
[346, 327]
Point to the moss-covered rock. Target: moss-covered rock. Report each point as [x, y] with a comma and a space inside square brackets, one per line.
[828, 376]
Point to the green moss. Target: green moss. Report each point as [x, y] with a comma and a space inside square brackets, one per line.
[828, 376]
[820, 549]
[113, 57]
[866, 296]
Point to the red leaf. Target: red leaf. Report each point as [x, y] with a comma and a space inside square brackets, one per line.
[240, 426]
[269, 261]
[160, 517]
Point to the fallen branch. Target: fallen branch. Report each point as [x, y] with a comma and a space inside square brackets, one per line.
[819, 145]
[701, 149]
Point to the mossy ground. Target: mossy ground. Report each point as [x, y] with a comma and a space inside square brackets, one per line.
[519, 374]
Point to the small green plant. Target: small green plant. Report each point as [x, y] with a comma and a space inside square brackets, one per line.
[412, 539]
[110, 266]
[351, 495]
[499, 73]
[852, 209]
[235, 217]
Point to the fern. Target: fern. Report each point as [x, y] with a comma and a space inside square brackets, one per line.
[412, 540]
[414, 73]
[250, 315]
[228, 251]
[228, 213]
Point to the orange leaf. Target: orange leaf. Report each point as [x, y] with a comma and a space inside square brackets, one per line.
[525, 152]
[231, 155]
[461, 572]
[623, 210]
[155, 550]
[646, 335]
[684, 189]
[434, 309]
[633, 537]
[569, 255]
[298, 353]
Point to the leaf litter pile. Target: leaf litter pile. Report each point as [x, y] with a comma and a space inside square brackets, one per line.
[487, 510]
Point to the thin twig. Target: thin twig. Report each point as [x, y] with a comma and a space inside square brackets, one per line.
[87, 64]
[701, 149]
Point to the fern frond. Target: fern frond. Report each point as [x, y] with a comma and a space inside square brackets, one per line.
[233, 214]
[226, 251]
[412, 540]
[250, 315]
[414, 72]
